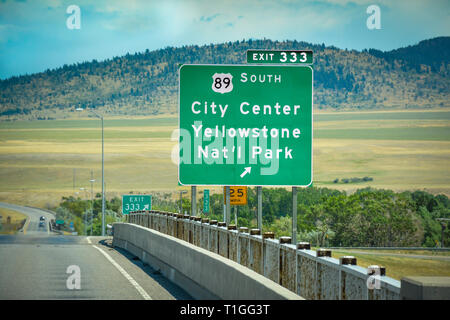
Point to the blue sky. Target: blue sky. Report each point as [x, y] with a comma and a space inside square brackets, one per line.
[34, 35]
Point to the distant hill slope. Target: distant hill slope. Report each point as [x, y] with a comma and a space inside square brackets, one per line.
[434, 53]
[146, 83]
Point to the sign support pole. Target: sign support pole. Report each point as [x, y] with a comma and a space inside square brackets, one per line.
[259, 191]
[224, 207]
[194, 201]
[294, 215]
[227, 205]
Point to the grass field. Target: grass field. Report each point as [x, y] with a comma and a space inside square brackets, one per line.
[409, 252]
[15, 222]
[398, 267]
[42, 160]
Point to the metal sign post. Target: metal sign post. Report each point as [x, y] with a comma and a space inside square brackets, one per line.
[227, 205]
[294, 215]
[194, 201]
[259, 191]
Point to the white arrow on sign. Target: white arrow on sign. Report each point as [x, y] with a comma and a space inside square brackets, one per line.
[247, 170]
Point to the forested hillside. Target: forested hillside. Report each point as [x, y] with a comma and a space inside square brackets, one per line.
[146, 83]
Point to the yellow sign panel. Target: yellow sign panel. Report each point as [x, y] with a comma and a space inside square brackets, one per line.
[238, 195]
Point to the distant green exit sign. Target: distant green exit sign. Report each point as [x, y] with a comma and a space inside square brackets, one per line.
[280, 56]
[206, 201]
[136, 202]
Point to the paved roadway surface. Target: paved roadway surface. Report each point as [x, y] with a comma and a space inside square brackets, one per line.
[34, 263]
[33, 215]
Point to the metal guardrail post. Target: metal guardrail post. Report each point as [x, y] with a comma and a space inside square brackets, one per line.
[303, 246]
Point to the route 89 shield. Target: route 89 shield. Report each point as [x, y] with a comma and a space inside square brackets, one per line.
[222, 82]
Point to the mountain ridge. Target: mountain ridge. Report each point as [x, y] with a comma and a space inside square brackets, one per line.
[146, 83]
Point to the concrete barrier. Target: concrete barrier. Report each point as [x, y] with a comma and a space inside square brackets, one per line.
[213, 236]
[426, 288]
[288, 266]
[204, 274]
[307, 273]
[222, 241]
[204, 234]
[232, 243]
[197, 227]
[272, 259]
[256, 251]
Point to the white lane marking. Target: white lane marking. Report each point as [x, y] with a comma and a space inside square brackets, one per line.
[89, 240]
[141, 290]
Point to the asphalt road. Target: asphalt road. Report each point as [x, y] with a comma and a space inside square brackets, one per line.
[40, 265]
[33, 215]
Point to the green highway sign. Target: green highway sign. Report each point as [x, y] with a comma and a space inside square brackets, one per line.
[59, 222]
[136, 202]
[245, 125]
[206, 201]
[280, 56]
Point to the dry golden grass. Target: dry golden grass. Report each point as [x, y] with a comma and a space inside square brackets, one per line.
[397, 165]
[37, 168]
[407, 252]
[362, 124]
[398, 267]
[384, 111]
[15, 222]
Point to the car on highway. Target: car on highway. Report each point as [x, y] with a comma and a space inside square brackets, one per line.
[42, 218]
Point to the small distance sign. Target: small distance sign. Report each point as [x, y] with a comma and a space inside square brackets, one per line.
[280, 56]
[238, 195]
[136, 203]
